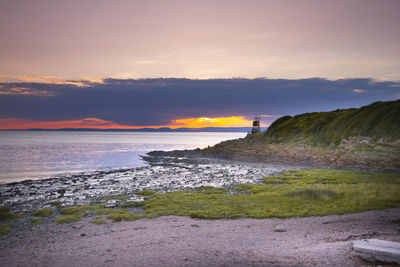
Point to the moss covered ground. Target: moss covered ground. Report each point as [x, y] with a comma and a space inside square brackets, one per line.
[293, 193]
[289, 194]
[43, 213]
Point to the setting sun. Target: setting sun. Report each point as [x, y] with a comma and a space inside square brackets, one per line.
[233, 121]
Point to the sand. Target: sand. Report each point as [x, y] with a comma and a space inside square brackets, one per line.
[182, 241]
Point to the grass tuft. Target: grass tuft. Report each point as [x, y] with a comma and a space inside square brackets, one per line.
[57, 204]
[98, 222]
[43, 213]
[36, 220]
[124, 215]
[4, 229]
[6, 214]
[146, 193]
[69, 218]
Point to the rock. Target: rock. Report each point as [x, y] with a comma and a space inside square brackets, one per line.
[280, 228]
[377, 250]
[83, 234]
[111, 203]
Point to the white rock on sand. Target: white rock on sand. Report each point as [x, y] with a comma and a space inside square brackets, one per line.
[377, 250]
[182, 241]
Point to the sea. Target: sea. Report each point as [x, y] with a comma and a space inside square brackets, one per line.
[35, 155]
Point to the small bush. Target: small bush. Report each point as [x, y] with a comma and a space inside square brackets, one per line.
[20, 215]
[4, 209]
[124, 215]
[4, 229]
[36, 220]
[6, 214]
[98, 222]
[43, 213]
[57, 204]
[69, 218]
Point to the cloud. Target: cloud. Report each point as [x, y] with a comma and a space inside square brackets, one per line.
[359, 91]
[155, 102]
[18, 90]
[85, 81]
[94, 123]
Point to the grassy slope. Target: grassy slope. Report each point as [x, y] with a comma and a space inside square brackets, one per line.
[365, 138]
[378, 120]
[290, 194]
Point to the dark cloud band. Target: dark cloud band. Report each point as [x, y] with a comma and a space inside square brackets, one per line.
[158, 101]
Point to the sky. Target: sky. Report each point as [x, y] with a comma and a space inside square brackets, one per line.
[132, 64]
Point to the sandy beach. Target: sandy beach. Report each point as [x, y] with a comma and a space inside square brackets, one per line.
[182, 241]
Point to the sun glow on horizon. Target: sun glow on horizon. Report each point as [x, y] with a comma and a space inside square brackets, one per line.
[233, 121]
[96, 123]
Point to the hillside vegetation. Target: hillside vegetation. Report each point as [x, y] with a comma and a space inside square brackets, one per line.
[380, 120]
[366, 138]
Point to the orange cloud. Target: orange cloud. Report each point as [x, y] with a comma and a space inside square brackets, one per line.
[23, 91]
[233, 121]
[85, 81]
[95, 123]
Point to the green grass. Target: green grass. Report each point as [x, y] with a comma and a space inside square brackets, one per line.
[132, 204]
[4, 229]
[377, 120]
[289, 194]
[73, 210]
[98, 221]
[20, 215]
[57, 204]
[298, 193]
[6, 214]
[36, 220]
[117, 215]
[146, 193]
[69, 218]
[72, 214]
[76, 213]
[43, 213]
[123, 215]
[316, 176]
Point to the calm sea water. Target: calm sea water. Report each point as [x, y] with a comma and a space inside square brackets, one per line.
[38, 155]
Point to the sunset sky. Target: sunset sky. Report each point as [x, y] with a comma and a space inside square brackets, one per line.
[132, 64]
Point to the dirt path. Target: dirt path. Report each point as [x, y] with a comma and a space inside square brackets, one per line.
[182, 241]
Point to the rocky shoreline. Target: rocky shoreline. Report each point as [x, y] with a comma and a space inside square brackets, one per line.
[354, 154]
[161, 175]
